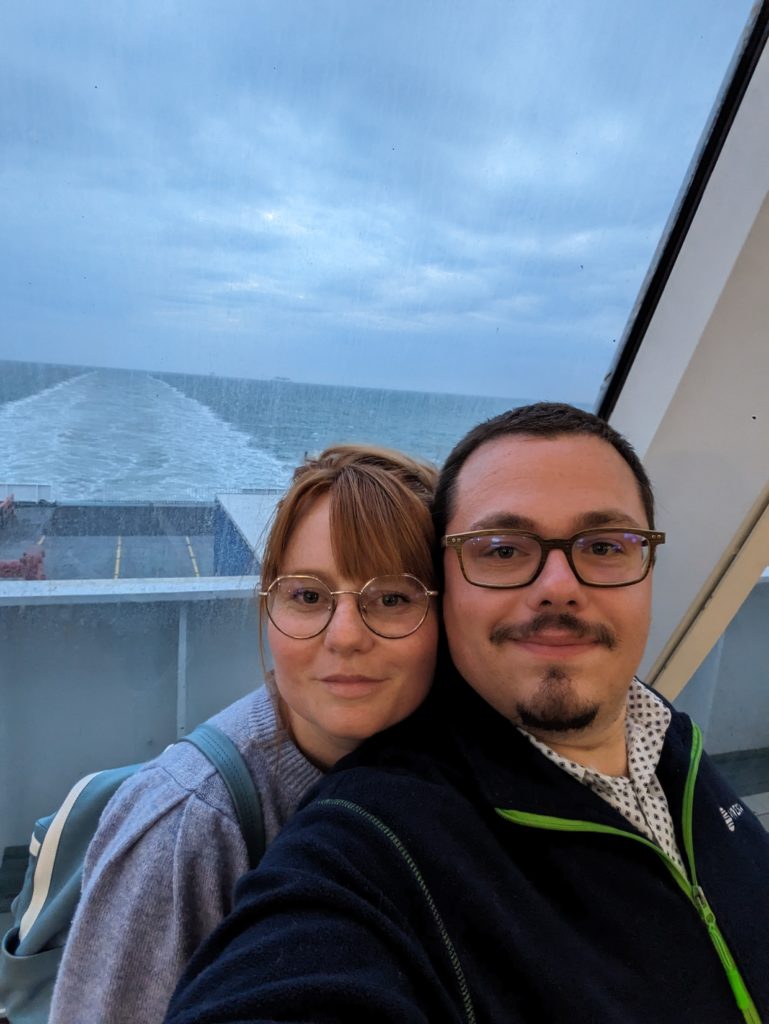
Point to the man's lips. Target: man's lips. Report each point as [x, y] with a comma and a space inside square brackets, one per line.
[559, 640]
[557, 646]
[555, 631]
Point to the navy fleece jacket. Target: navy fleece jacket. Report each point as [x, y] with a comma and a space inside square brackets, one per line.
[421, 886]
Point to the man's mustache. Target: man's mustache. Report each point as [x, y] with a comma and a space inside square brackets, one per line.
[561, 621]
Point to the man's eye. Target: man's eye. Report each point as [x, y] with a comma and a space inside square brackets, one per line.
[502, 551]
[602, 548]
[500, 548]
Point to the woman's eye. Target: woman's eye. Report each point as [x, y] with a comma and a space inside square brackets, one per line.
[392, 600]
[306, 596]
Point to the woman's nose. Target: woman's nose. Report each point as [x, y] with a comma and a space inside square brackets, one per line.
[347, 630]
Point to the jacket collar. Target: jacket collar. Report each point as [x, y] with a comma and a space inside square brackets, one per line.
[458, 736]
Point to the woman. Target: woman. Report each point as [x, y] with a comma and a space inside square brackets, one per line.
[352, 628]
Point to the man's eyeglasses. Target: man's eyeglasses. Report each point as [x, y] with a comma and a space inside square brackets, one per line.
[598, 558]
[391, 606]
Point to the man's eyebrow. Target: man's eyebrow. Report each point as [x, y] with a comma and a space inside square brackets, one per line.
[585, 521]
[606, 517]
[504, 521]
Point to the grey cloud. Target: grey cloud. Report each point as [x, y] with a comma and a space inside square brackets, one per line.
[345, 188]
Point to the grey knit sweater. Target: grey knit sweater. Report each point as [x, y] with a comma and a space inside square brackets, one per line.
[160, 871]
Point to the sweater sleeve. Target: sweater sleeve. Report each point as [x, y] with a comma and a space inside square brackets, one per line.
[335, 924]
[158, 877]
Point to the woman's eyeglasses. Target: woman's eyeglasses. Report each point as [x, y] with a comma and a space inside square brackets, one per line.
[391, 606]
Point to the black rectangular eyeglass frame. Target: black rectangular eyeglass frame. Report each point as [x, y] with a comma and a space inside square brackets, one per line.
[456, 540]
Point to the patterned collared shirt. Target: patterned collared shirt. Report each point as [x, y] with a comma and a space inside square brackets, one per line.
[639, 797]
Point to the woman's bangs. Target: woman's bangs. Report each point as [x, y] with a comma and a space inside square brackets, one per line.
[377, 533]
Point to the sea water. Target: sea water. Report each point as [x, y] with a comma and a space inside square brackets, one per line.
[106, 435]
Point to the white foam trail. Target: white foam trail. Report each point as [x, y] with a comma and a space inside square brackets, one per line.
[106, 435]
[47, 391]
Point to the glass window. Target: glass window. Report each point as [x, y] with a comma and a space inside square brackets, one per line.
[729, 698]
[233, 234]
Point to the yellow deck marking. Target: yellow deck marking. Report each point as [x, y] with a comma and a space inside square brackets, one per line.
[41, 539]
[192, 557]
[118, 554]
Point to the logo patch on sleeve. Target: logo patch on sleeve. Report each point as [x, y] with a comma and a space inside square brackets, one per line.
[731, 815]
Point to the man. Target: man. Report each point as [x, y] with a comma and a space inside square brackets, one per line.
[545, 844]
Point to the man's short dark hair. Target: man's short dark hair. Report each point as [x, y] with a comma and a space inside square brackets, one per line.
[543, 419]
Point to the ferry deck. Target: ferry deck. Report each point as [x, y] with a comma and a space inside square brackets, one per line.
[113, 542]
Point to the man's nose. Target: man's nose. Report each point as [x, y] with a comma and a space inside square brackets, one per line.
[347, 630]
[556, 584]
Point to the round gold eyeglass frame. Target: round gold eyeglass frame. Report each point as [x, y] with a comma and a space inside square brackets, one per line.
[264, 594]
[454, 541]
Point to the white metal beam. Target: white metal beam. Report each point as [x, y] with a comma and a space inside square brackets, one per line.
[696, 404]
[185, 588]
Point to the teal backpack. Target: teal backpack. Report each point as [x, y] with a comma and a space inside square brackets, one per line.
[43, 911]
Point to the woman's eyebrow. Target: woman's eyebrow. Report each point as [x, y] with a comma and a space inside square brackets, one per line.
[304, 572]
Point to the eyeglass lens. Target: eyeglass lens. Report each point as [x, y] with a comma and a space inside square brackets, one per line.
[302, 606]
[616, 556]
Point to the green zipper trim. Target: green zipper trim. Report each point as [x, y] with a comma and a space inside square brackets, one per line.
[456, 964]
[695, 756]
[545, 821]
[692, 890]
[739, 988]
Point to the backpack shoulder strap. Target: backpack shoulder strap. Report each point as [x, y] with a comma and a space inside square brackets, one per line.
[229, 762]
[57, 848]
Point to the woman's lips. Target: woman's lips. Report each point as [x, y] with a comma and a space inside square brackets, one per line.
[350, 685]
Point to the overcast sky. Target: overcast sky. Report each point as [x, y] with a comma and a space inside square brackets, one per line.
[457, 196]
